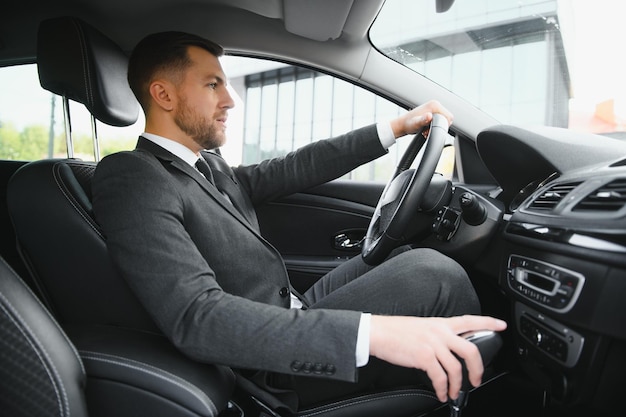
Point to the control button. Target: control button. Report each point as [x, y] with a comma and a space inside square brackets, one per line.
[544, 340]
[284, 292]
[565, 290]
[548, 285]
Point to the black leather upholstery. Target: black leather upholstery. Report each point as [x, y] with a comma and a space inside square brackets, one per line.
[78, 62]
[134, 373]
[401, 402]
[129, 373]
[49, 203]
[40, 371]
[50, 200]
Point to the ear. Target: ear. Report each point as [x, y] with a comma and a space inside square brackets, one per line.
[163, 94]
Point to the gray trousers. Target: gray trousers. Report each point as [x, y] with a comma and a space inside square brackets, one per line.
[414, 282]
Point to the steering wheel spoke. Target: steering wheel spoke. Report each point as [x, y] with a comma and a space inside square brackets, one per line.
[403, 194]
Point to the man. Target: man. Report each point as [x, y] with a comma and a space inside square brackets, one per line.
[188, 243]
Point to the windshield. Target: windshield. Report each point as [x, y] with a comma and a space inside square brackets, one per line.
[548, 62]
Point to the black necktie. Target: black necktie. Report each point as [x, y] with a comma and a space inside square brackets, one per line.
[204, 168]
[227, 187]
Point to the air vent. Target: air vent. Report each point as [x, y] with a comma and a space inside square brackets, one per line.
[608, 198]
[548, 199]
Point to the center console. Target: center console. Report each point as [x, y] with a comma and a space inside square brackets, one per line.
[567, 320]
[554, 288]
[559, 342]
[548, 285]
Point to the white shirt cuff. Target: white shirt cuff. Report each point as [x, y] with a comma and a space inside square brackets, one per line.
[385, 134]
[363, 340]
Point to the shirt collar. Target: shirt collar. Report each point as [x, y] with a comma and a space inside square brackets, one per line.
[174, 147]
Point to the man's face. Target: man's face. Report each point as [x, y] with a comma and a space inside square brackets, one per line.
[204, 101]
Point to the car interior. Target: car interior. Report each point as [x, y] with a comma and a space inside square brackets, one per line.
[534, 214]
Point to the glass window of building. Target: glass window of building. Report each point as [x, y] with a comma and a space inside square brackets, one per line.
[495, 54]
[286, 107]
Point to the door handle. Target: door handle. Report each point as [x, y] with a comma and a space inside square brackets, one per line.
[350, 240]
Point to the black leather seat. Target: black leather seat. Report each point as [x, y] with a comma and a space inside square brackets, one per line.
[49, 202]
[106, 370]
[40, 371]
[132, 369]
[64, 249]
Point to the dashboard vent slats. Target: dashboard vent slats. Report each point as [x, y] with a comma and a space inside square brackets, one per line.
[608, 198]
[549, 199]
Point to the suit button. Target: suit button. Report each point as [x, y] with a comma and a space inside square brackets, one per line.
[307, 367]
[296, 366]
[329, 369]
[318, 369]
[284, 292]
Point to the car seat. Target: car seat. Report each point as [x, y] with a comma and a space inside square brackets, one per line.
[107, 371]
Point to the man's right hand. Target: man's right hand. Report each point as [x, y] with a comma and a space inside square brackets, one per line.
[429, 344]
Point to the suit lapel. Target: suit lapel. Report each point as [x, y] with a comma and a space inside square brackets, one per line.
[170, 159]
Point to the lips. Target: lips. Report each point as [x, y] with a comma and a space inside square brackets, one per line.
[222, 120]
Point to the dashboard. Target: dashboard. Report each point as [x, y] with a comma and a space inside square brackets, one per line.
[562, 262]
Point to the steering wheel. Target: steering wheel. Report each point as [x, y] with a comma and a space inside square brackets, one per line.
[403, 194]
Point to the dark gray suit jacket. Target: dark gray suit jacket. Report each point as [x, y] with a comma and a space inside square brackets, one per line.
[201, 268]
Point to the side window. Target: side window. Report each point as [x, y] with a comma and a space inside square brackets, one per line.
[31, 118]
[280, 108]
[32, 124]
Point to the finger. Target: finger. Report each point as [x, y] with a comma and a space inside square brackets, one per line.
[471, 355]
[447, 115]
[438, 378]
[420, 121]
[436, 107]
[463, 324]
[434, 371]
[454, 372]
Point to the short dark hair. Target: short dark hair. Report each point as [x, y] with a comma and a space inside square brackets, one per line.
[160, 52]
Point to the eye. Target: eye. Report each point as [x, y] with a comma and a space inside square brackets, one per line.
[212, 86]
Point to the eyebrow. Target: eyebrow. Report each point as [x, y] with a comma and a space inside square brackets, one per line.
[218, 78]
[221, 80]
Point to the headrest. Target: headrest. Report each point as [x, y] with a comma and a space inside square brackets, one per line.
[77, 61]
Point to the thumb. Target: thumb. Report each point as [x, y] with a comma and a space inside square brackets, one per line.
[415, 123]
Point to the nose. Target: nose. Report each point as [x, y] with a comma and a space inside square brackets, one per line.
[226, 100]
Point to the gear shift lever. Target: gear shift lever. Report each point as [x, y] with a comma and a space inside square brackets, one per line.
[488, 344]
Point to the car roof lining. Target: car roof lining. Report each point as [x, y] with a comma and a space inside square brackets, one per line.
[130, 21]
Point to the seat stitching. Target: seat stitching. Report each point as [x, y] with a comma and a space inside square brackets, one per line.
[52, 319]
[21, 325]
[69, 198]
[86, 73]
[363, 400]
[154, 371]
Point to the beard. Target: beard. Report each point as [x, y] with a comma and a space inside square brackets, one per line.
[205, 133]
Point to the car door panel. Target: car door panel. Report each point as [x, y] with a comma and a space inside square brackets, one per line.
[317, 230]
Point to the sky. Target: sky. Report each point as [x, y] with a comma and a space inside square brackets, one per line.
[598, 64]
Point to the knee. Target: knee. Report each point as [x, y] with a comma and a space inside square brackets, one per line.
[437, 265]
[448, 281]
